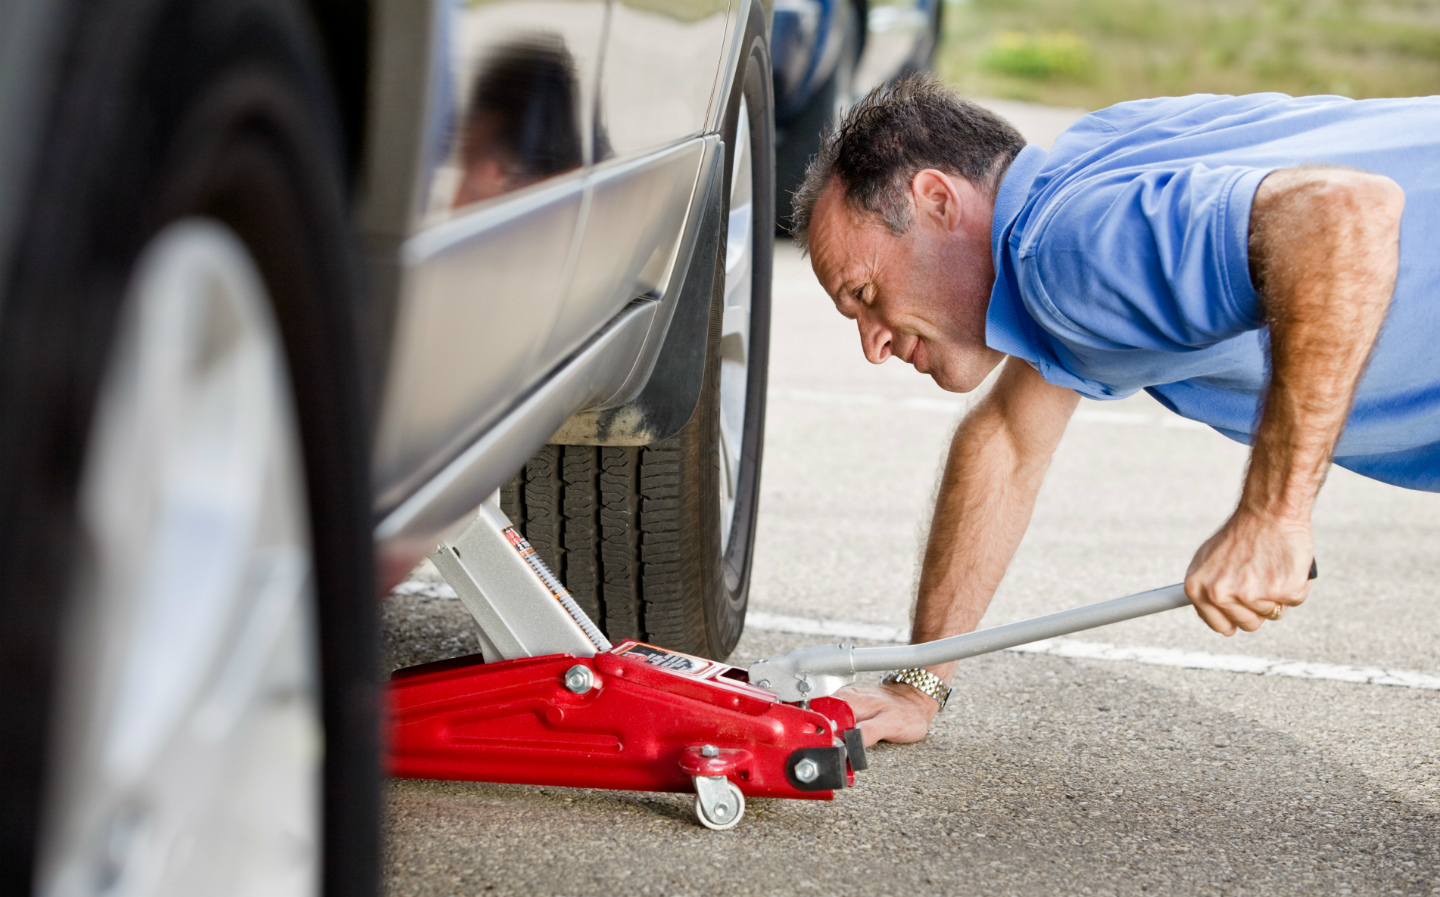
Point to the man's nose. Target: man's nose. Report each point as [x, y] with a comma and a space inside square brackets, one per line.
[875, 340]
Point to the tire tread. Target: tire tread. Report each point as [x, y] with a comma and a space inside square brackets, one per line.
[620, 541]
[544, 520]
[581, 506]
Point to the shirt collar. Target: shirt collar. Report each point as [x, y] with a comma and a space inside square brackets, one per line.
[1008, 328]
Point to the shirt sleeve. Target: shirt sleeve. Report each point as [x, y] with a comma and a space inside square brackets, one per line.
[1146, 259]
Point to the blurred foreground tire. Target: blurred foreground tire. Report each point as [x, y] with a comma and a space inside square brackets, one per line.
[187, 610]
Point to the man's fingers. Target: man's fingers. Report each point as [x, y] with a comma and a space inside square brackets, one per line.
[887, 713]
[1249, 571]
[1304, 593]
[1214, 619]
[1247, 619]
[1250, 609]
[864, 702]
[1206, 609]
[894, 726]
[1240, 611]
[1296, 599]
[872, 732]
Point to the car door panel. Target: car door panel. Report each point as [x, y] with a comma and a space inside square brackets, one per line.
[635, 217]
[658, 76]
[662, 59]
[485, 268]
[466, 328]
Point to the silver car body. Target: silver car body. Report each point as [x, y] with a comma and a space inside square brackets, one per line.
[513, 313]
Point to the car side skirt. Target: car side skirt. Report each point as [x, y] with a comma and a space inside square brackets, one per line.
[662, 389]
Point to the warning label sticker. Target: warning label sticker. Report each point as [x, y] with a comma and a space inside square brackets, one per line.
[669, 660]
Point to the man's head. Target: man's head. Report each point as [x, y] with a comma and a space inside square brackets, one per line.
[896, 210]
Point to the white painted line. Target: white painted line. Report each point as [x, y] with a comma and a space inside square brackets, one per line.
[1165, 657]
[870, 632]
[958, 406]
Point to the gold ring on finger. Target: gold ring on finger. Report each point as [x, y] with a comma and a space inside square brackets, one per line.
[1277, 613]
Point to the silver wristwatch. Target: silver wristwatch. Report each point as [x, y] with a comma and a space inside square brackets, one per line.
[921, 680]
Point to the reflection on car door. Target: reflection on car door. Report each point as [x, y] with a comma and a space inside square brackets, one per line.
[659, 70]
[512, 132]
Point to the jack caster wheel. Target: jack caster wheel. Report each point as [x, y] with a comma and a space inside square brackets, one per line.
[718, 803]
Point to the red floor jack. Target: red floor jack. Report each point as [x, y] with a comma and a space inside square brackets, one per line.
[562, 706]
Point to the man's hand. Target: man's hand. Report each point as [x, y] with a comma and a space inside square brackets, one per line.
[894, 712]
[1247, 570]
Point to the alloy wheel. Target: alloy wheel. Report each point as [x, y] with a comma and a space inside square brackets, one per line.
[735, 323]
[189, 739]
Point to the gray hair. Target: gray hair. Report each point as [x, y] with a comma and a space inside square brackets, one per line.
[898, 130]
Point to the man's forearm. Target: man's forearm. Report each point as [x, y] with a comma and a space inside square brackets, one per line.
[997, 462]
[1325, 252]
[981, 513]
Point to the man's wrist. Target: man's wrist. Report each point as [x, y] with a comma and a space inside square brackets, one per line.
[1283, 514]
[922, 681]
[1286, 468]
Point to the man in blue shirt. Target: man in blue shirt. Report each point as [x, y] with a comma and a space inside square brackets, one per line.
[1236, 257]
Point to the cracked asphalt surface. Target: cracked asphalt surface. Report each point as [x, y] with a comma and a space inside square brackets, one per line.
[1046, 775]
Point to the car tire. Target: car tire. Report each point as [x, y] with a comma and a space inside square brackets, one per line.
[642, 536]
[799, 139]
[195, 133]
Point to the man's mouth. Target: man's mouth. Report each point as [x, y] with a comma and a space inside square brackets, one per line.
[917, 357]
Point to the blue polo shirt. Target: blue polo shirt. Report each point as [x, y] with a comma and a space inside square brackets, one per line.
[1122, 262]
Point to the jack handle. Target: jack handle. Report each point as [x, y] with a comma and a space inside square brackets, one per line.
[822, 670]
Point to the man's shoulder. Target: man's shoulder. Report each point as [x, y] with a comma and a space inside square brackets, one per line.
[1173, 148]
[1206, 108]
[1201, 125]
[1165, 118]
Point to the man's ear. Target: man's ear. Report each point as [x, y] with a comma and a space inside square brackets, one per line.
[935, 196]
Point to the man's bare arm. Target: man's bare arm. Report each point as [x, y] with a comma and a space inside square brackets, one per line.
[998, 458]
[1324, 253]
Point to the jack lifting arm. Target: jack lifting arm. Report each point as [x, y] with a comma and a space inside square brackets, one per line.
[820, 671]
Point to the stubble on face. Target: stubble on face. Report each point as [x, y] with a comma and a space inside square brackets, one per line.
[921, 295]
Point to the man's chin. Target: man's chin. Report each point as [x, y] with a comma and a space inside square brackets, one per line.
[951, 384]
[962, 382]
[972, 375]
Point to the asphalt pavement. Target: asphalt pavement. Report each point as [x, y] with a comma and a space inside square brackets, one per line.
[1114, 764]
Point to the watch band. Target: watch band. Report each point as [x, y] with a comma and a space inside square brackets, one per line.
[923, 681]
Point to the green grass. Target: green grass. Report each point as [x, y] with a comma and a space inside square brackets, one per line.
[1092, 53]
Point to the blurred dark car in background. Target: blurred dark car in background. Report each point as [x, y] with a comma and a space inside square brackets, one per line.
[287, 289]
[826, 54]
